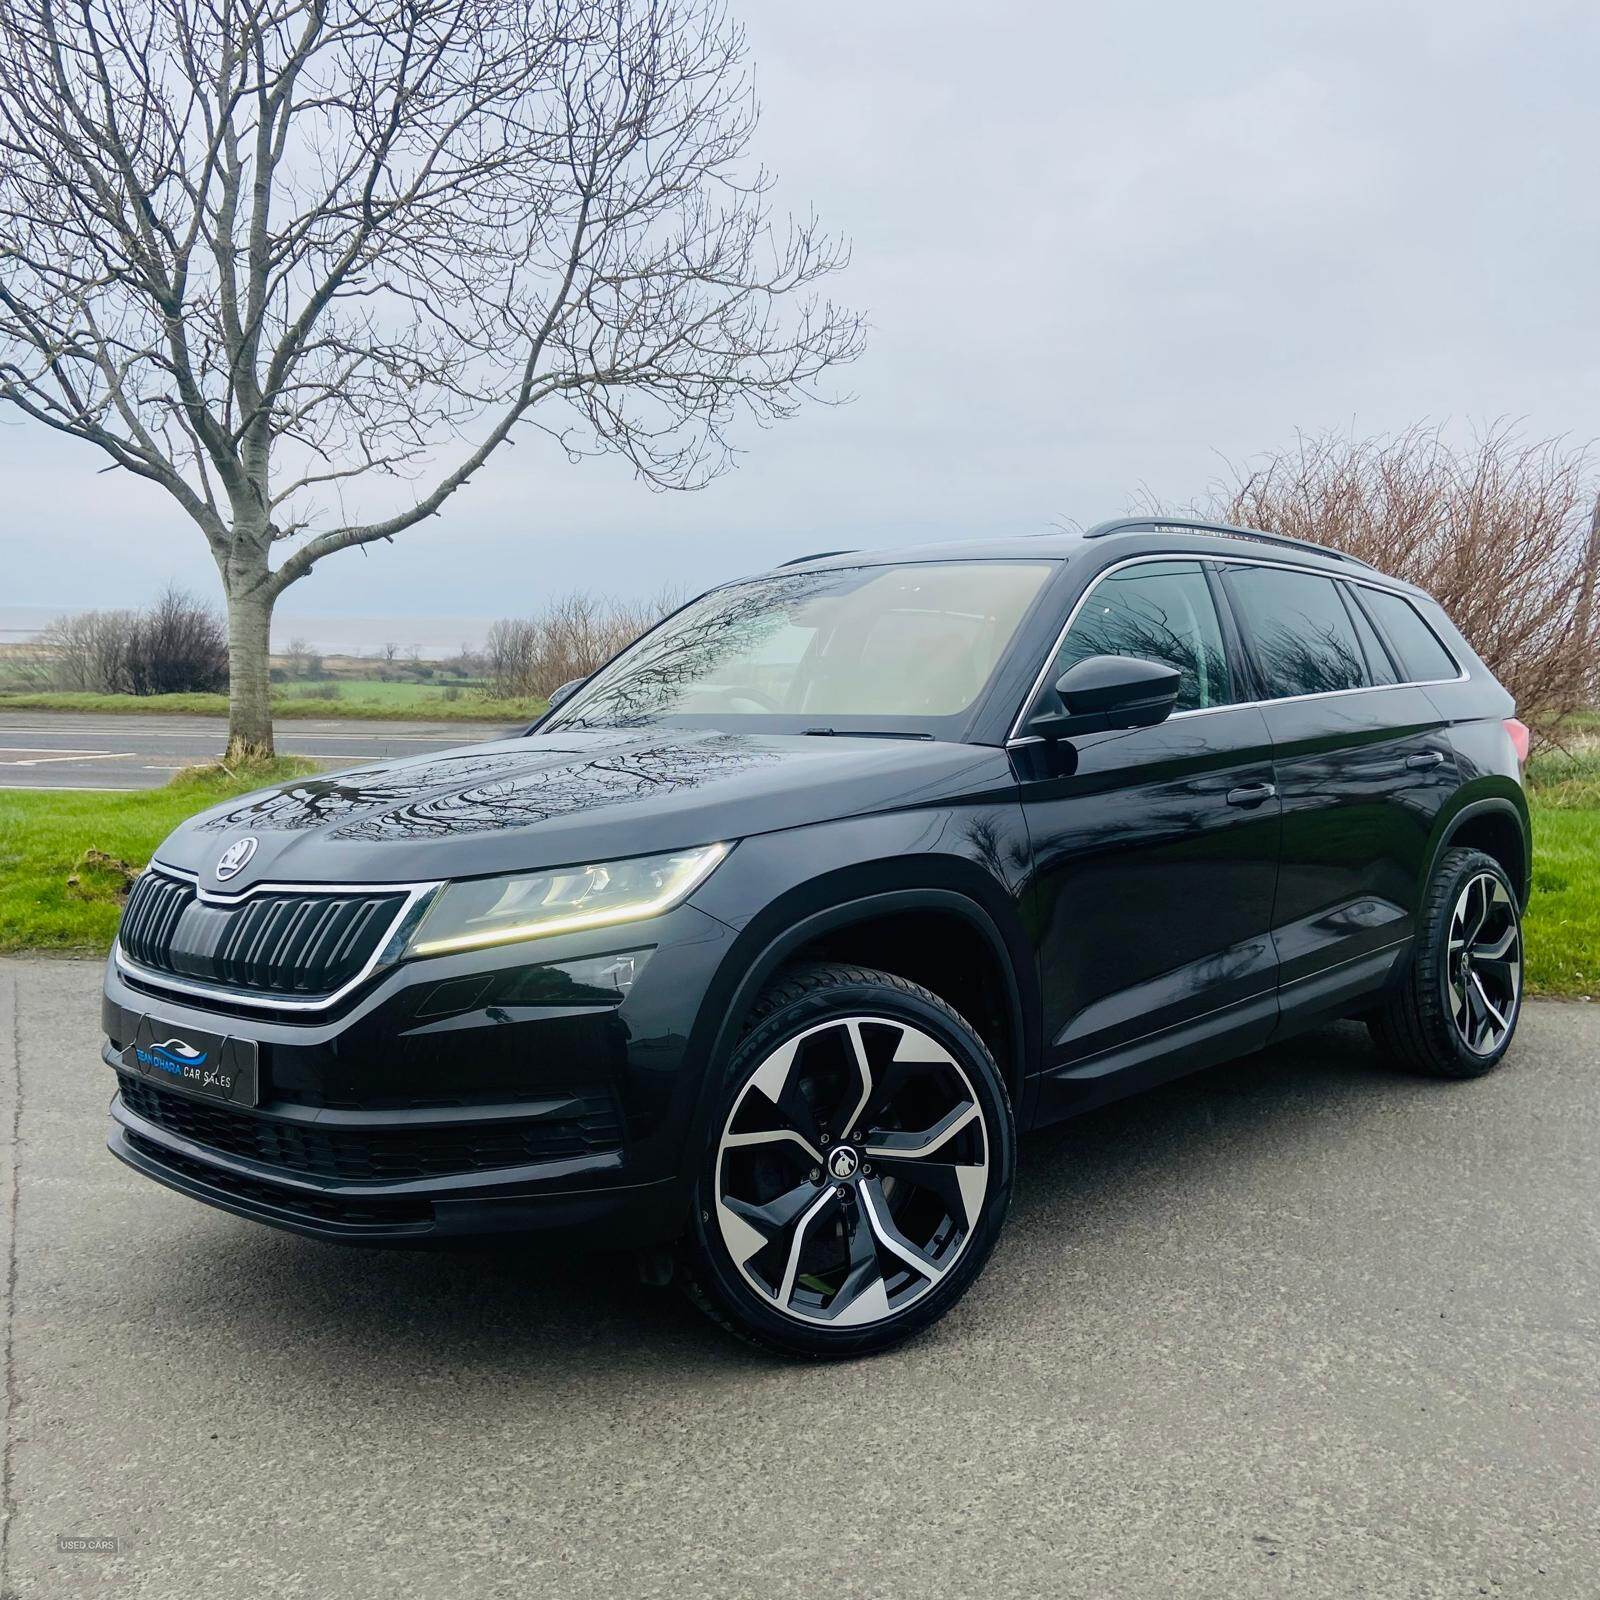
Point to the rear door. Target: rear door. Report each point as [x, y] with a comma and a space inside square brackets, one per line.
[1154, 849]
[1363, 764]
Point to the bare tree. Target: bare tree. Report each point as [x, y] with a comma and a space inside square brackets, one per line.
[298, 656]
[266, 255]
[1506, 533]
[177, 645]
[527, 657]
[89, 650]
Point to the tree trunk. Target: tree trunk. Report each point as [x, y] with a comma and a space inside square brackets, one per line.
[249, 677]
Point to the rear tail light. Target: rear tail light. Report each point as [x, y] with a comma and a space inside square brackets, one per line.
[1519, 738]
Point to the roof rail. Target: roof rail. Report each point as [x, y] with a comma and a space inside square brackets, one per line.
[1228, 529]
[816, 555]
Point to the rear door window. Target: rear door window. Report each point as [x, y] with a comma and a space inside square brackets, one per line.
[1300, 633]
[1425, 660]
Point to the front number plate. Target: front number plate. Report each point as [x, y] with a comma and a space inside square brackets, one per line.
[211, 1066]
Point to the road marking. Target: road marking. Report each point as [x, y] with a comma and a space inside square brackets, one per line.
[80, 788]
[81, 755]
[468, 734]
[71, 755]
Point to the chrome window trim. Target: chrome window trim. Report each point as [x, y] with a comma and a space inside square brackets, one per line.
[1199, 558]
[166, 982]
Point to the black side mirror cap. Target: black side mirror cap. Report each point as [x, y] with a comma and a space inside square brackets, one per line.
[1101, 693]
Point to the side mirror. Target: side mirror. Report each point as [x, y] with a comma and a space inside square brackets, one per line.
[1104, 692]
[566, 691]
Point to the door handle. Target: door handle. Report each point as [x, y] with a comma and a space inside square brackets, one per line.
[1252, 794]
[1424, 759]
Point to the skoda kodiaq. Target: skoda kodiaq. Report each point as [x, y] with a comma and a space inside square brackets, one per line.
[756, 952]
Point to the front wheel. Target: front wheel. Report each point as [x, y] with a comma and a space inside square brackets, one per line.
[1456, 1012]
[859, 1169]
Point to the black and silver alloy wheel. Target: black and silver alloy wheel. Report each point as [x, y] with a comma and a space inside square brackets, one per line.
[861, 1166]
[1454, 1013]
[1484, 963]
[852, 1168]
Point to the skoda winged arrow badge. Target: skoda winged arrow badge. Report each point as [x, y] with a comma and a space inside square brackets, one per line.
[233, 860]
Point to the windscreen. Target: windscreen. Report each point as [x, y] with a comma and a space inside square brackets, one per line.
[906, 648]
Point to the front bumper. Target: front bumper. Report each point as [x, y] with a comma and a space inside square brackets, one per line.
[599, 1217]
[471, 1095]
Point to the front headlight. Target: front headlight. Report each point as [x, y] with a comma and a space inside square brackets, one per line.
[489, 911]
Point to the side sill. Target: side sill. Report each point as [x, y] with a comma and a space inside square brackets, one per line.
[1320, 996]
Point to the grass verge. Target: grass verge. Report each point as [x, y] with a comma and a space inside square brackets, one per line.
[66, 856]
[1563, 922]
[392, 707]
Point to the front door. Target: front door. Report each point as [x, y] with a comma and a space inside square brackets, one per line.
[1154, 854]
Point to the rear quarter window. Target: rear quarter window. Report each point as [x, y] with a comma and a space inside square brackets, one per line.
[1423, 658]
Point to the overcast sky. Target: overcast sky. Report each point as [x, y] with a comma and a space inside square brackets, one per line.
[1102, 248]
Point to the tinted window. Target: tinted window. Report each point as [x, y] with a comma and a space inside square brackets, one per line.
[1302, 637]
[1160, 612]
[1421, 654]
[1379, 667]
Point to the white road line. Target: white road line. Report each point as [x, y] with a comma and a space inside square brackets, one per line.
[444, 738]
[77, 755]
[81, 788]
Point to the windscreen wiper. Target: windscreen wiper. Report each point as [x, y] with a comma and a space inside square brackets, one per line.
[862, 733]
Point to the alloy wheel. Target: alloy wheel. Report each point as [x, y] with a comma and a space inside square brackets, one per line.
[1483, 963]
[851, 1171]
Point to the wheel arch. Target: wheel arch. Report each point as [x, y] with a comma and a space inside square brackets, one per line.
[824, 930]
[1497, 825]
[831, 931]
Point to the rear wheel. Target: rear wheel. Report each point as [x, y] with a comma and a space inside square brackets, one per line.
[1456, 1013]
[859, 1170]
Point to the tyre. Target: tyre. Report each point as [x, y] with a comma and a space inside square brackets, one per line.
[1458, 1007]
[859, 1166]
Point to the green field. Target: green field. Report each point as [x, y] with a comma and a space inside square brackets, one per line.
[1563, 922]
[44, 838]
[366, 698]
[384, 692]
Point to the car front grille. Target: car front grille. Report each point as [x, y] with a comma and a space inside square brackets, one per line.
[272, 943]
[587, 1124]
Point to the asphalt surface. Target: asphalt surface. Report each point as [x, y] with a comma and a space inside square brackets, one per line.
[71, 750]
[1296, 1326]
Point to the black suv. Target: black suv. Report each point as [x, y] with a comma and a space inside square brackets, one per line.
[757, 951]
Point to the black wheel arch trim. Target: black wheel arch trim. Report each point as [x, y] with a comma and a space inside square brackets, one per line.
[1509, 802]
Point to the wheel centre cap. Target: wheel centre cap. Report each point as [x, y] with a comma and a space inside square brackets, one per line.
[843, 1162]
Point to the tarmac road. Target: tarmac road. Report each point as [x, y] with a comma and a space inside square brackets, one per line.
[70, 750]
[1295, 1326]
